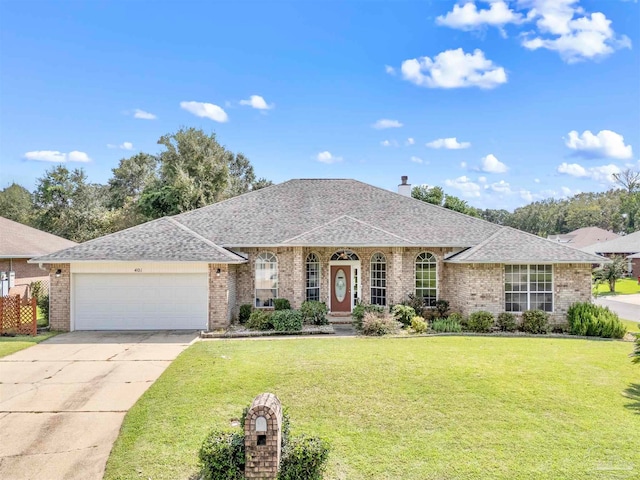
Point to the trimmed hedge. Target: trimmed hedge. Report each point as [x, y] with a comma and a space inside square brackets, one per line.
[304, 458]
[260, 320]
[222, 456]
[287, 320]
[480, 321]
[281, 304]
[507, 322]
[535, 321]
[594, 321]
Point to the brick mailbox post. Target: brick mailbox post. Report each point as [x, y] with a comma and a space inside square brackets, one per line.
[263, 437]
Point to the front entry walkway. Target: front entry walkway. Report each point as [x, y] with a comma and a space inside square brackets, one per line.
[62, 401]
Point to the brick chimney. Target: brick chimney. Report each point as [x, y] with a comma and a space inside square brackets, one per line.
[404, 188]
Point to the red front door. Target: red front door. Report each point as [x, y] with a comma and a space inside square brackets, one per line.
[340, 288]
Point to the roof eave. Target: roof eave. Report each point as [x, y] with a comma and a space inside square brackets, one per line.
[530, 262]
[137, 260]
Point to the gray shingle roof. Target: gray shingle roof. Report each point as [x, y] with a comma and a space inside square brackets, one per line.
[625, 244]
[159, 240]
[509, 245]
[583, 237]
[20, 241]
[317, 213]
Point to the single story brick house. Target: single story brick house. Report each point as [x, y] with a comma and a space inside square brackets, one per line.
[627, 246]
[339, 241]
[19, 243]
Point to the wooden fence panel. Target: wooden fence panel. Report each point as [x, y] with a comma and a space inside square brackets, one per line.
[17, 318]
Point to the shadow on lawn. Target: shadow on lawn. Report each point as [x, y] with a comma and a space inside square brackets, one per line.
[633, 394]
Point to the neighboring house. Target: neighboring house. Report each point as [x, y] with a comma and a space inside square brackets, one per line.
[626, 246]
[18, 243]
[337, 241]
[584, 237]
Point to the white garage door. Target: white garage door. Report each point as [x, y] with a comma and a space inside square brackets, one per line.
[140, 301]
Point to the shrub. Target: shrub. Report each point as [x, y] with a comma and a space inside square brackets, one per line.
[281, 304]
[535, 321]
[507, 322]
[376, 324]
[360, 310]
[304, 458]
[636, 351]
[418, 325]
[403, 314]
[287, 320]
[444, 325]
[222, 456]
[314, 313]
[245, 313]
[417, 303]
[260, 320]
[457, 317]
[40, 293]
[480, 321]
[594, 321]
[442, 308]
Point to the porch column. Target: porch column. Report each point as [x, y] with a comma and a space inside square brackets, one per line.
[299, 284]
[394, 282]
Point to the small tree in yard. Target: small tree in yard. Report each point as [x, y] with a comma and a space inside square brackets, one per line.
[610, 272]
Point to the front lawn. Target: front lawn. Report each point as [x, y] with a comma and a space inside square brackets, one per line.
[9, 345]
[418, 408]
[624, 286]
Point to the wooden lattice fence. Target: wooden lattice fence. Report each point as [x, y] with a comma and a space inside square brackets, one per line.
[18, 317]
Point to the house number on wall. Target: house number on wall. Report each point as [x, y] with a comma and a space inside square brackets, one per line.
[137, 270]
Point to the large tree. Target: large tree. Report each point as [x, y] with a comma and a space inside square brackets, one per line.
[16, 203]
[68, 206]
[629, 180]
[130, 178]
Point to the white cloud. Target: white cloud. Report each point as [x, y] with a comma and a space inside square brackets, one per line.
[205, 110]
[390, 70]
[537, 180]
[137, 113]
[257, 102]
[416, 159]
[463, 164]
[464, 185]
[122, 146]
[386, 123]
[454, 69]
[526, 195]
[327, 157]
[565, 27]
[469, 17]
[482, 179]
[389, 143]
[501, 187]
[606, 144]
[57, 157]
[448, 143]
[603, 173]
[491, 164]
[410, 141]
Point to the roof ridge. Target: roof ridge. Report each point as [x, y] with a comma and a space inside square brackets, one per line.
[481, 244]
[203, 239]
[378, 228]
[313, 229]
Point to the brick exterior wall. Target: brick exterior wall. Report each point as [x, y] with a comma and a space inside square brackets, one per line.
[220, 303]
[26, 273]
[60, 297]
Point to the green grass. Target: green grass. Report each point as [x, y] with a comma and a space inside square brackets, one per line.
[418, 408]
[9, 345]
[624, 286]
[633, 327]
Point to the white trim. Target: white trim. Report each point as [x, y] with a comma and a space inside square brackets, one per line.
[354, 264]
[137, 267]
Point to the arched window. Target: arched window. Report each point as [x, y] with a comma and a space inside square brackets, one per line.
[266, 279]
[378, 279]
[426, 278]
[344, 255]
[313, 277]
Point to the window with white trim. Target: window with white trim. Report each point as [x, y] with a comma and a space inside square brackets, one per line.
[528, 287]
[426, 278]
[313, 277]
[378, 279]
[266, 279]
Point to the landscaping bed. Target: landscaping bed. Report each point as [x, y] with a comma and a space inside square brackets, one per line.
[240, 331]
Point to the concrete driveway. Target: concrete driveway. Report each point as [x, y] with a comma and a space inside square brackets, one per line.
[62, 401]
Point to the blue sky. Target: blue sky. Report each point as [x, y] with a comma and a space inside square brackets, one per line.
[500, 103]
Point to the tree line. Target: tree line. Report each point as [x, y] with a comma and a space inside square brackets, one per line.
[192, 170]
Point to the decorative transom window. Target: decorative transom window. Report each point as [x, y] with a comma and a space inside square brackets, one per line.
[344, 255]
[426, 278]
[528, 287]
[378, 279]
[313, 277]
[266, 279]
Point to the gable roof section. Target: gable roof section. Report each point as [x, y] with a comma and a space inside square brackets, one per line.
[625, 244]
[159, 240]
[274, 215]
[347, 231]
[509, 245]
[21, 241]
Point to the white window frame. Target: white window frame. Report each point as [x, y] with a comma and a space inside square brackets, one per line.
[378, 258]
[306, 275]
[271, 259]
[528, 291]
[415, 277]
